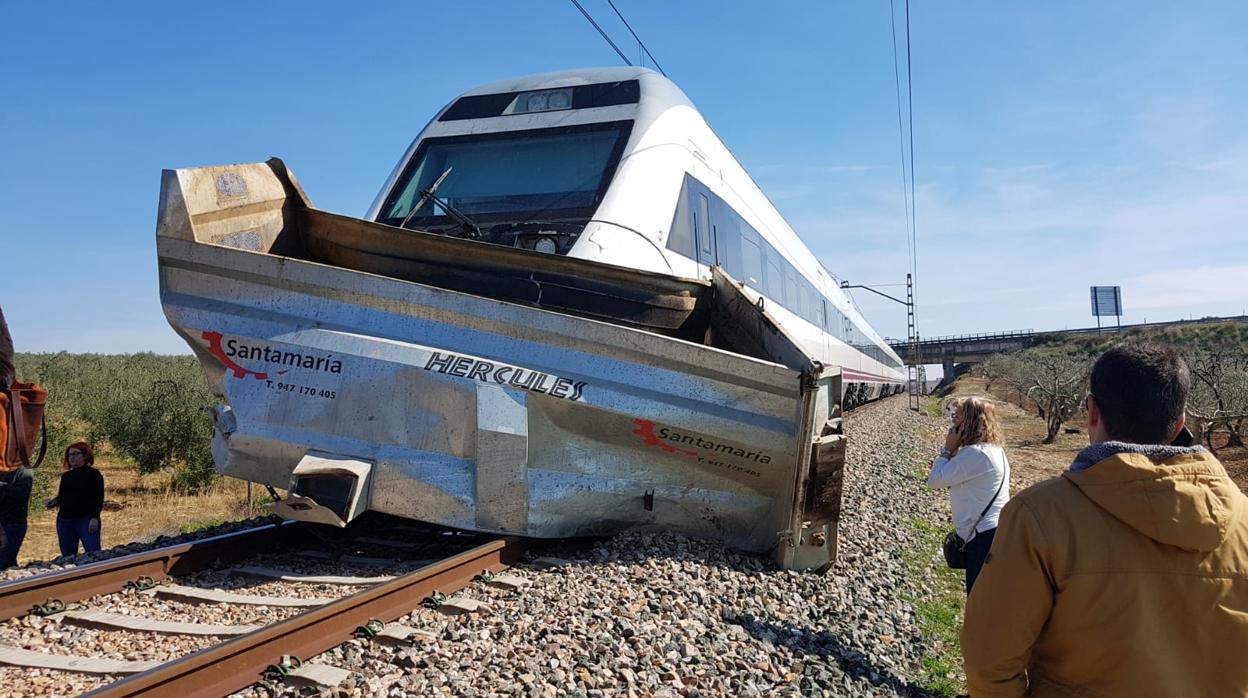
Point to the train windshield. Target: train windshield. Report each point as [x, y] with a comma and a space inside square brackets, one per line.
[514, 176]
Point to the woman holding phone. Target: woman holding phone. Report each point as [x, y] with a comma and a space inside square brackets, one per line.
[974, 468]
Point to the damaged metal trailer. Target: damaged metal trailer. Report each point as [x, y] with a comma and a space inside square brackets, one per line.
[368, 367]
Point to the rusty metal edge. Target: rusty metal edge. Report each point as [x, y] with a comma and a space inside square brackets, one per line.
[108, 576]
[240, 662]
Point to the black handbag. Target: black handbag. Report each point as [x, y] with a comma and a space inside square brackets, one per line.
[954, 547]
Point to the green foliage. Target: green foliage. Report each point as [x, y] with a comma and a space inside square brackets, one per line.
[189, 479]
[150, 409]
[936, 671]
[940, 612]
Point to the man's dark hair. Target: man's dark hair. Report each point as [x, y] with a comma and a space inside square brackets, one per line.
[1141, 389]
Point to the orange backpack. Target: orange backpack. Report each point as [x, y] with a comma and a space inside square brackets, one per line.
[22, 411]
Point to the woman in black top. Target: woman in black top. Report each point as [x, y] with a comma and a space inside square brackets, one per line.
[80, 497]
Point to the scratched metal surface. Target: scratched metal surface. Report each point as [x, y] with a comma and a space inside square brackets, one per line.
[474, 413]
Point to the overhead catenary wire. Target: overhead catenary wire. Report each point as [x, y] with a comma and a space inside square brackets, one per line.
[640, 43]
[901, 135]
[603, 33]
[914, 204]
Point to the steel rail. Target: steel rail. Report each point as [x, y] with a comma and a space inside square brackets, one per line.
[240, 662]
[18, 597]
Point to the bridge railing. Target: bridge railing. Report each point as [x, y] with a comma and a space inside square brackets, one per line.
[957, 338]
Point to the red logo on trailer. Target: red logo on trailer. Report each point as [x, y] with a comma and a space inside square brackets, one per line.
[707, 450]
[645, 429]
[214, 348]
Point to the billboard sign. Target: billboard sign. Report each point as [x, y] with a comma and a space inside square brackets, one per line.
[1106, 301]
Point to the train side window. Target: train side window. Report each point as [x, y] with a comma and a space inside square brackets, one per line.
[726, 226]
[774, 278]
[680, 237]
[751, 259]
[702, 222]
[790, 290]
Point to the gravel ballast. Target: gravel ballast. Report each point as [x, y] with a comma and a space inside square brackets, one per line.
[660, 614]
[641, 614]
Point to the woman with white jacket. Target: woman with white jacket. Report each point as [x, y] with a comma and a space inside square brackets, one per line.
[974, 468]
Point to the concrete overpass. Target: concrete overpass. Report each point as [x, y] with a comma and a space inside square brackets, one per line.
[967, 348]
[973, 348]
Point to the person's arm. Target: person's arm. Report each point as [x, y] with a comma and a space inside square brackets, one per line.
[60, 487]
[96, 497]
[1009, 606]
[948, 471]
[7, 368]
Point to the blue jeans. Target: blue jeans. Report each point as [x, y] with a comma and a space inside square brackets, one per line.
[15, 533]
[70, 531]
[976, 552]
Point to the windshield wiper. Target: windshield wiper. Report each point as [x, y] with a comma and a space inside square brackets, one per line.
[427, 195]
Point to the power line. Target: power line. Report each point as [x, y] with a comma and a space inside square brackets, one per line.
[603, 33]
[901, 134]
[638, 38]
[914, 204]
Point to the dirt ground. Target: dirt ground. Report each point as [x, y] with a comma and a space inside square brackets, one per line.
[1032, 460]
[140, 509]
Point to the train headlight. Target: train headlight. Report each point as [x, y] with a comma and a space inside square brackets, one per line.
[537, 102]
[542, 100]
[560, 99]
[547, 245]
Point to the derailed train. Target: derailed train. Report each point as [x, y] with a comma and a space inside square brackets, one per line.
[569, 311]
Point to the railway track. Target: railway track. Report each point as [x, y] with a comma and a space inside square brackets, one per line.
[231, 610]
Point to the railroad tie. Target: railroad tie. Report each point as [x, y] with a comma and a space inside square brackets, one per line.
[177, 591]
[510, 582]
[350, 559]
[397, 633]
[546, 563]
[318, 675]
[462, 605]
[391, 543]
[151, 625]
[86, 665]
[288, 576]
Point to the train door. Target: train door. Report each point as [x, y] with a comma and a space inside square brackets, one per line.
[703, 232]
[821, 311]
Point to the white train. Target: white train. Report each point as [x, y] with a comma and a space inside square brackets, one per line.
[616, 165]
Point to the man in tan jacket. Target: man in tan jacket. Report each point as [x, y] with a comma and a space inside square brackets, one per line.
[1127, 575]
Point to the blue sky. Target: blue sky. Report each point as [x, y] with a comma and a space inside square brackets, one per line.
[1057, 144]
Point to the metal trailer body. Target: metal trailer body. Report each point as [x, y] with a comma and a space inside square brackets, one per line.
[488, 411]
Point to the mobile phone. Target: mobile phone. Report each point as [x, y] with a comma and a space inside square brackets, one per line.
[1183, 438]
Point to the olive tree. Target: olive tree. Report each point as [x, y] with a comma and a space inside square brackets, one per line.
[1219, 397]
[1052, 382]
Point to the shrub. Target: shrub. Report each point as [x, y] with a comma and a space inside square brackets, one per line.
[148, 408]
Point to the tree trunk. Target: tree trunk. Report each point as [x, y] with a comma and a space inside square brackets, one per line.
[1236, 438]
[1207, 432]
[1055, 425]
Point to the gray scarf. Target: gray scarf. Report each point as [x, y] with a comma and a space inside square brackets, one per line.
[1157, 453]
